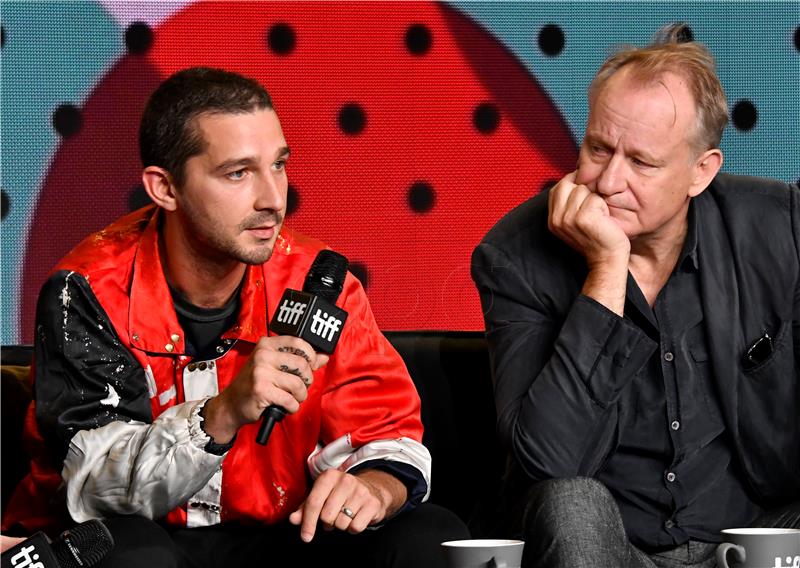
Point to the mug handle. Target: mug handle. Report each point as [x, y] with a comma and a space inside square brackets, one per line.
[722, 554]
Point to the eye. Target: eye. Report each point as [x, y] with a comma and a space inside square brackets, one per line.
[279, 165]
[236, 175]
[640, 163]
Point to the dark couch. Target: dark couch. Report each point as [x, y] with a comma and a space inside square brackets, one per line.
[451, 372]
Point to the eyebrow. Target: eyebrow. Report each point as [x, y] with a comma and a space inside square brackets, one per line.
[283, 152]
[592, 138]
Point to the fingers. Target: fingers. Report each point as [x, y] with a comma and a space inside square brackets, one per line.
[320, 361]
[279, 371]
[290, 355]
[356, 499]
[565, 202]
[274, 386]
[581, 219]
[337, 500]
[302, 348]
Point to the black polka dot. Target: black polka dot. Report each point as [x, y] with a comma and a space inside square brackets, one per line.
[292, 200]
[421, 197]
[138, 38]
[281, 39]
[685, 35]
[551, 40]
[486, 118]
[549, 184]
[5, 204]
[67, 120]
[360, 271]
[797, 38]
[418, 39]
[352, 119]
[744, 115]
[138, 198]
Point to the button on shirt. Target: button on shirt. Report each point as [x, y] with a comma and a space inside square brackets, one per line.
[673, 472]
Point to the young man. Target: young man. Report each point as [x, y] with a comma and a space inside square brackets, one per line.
[642, 320]
[154, 363]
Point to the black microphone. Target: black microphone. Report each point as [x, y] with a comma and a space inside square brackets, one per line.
[311, 315]
[81, 546]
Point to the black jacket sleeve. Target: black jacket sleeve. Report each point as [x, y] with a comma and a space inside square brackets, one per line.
[84, 377]
[559, 360]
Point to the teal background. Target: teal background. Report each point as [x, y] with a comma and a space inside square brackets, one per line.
[56, 52]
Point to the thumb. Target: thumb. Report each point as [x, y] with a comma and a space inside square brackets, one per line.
[594, 202]
[297, 517]
[320, 361]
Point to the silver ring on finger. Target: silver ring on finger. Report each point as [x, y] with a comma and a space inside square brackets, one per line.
[348, 512]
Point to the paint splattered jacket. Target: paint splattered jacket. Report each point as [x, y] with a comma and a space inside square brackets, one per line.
[117, 397]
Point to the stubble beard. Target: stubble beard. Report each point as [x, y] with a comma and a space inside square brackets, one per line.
[219, 247]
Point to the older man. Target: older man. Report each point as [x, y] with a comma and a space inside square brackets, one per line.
[642, 321]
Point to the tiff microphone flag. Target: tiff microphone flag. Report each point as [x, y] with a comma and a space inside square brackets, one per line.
[311, 315]
[84, 545]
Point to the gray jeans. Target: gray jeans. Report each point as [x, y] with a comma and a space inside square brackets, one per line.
[575, 523]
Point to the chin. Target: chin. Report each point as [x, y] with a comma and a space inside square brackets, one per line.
[259, 257]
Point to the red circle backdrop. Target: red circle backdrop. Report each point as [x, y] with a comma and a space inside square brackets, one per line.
[353, 189]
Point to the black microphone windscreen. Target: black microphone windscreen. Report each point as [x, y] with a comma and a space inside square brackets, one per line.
[83, 545]
[326, 276]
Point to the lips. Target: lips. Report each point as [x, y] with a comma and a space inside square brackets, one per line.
[615, 206]
[264, 232]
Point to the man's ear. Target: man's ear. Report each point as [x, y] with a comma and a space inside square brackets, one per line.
[706, 167]
[159, 186]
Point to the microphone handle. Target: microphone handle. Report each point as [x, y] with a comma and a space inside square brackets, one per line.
[271, 416]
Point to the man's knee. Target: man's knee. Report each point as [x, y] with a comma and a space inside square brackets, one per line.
[430, 522]
[139, 542]
[569, 504]
[414, 539]
[574, 522]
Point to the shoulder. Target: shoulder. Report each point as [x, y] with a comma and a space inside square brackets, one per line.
[526, 223]
[109, 249]
[753, 219]
[747, 195]
[295, 248]
[293, 256]
[522, 237]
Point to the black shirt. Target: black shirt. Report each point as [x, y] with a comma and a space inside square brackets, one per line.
[203, 327]
[567, 371]
[673, 473]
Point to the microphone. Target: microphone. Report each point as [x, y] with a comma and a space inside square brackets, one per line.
[81, 546]
[310, 315]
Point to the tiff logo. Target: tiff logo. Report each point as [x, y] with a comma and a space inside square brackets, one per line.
[290, 311]
[24, 558]
[325, 326]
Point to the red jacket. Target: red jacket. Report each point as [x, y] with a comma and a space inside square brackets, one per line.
[112, 379]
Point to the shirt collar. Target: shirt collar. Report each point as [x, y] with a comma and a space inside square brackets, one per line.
[152, 322]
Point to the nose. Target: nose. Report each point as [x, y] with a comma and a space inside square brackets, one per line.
[270, 193]
[612, 178]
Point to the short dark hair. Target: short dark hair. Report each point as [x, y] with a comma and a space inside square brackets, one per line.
[168, 135]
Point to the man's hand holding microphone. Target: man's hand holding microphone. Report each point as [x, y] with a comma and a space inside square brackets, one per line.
[278, 373]
[275, 381]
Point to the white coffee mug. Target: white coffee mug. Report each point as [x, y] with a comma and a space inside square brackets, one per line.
[483, 553]
[759, 548]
